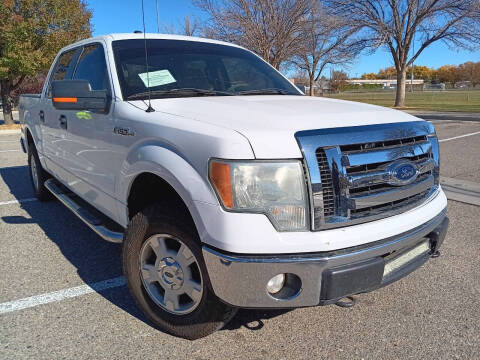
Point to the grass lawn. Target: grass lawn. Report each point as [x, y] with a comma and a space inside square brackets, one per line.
[468, 101]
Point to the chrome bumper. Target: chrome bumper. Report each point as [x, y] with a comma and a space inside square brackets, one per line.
[320, 278]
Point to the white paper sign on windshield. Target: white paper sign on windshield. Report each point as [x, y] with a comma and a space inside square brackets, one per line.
[157, 78]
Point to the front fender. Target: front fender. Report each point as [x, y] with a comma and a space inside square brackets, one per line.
[174, 169]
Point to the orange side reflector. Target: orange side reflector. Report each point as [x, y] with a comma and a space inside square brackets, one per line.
[65, 100]
[221, 179]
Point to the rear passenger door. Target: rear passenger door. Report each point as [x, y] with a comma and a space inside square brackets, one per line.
[89, 132]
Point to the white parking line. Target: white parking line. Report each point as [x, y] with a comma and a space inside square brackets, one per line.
[460, 136]
[10, 132]
[17, 201]
[60, 295]
[4, 151]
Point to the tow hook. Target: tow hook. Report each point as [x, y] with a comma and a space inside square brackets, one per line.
[346, 302]
[435, 254]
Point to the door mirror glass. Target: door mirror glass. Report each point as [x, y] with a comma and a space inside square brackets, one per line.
[78, 95]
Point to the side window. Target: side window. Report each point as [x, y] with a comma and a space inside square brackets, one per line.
[63, 68]
[92, 66]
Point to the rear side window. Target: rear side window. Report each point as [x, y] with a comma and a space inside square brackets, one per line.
[92, 66]
[63, 68]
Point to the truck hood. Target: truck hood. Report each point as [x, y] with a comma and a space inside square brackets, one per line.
[270, 122]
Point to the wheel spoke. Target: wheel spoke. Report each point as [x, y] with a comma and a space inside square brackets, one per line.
[171, 300]
[159, 247]
[185, 256]
[193, 289]
[149, 273]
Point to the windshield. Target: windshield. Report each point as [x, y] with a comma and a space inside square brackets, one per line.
[179, 68]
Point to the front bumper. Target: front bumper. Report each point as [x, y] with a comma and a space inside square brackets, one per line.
[319, 278]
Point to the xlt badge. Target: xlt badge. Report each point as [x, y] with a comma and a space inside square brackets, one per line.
[123, 131]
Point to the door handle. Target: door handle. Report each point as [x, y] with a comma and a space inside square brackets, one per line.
[42, 116]
[63, 122]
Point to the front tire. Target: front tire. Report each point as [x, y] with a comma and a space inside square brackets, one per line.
[166, 274]
[38, 176]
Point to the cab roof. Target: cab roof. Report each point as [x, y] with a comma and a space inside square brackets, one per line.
[130, 36]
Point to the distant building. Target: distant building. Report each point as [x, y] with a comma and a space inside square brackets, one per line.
[386, 83]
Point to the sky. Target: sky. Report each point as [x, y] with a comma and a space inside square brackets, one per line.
[114, 16]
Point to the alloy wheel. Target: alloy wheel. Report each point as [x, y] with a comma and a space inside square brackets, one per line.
[171, 274]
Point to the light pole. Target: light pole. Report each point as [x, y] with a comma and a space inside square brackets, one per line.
[413, 54]
[158, 21]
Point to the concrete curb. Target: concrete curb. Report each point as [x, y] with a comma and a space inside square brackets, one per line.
[461, 190]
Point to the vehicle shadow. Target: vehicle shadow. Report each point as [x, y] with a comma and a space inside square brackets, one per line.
[253, 319]
[95, 259]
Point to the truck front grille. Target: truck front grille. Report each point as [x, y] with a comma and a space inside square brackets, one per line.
[364, 173]
[327, 183]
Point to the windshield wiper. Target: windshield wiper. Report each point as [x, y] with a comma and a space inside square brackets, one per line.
[182, 92]
[271, 91]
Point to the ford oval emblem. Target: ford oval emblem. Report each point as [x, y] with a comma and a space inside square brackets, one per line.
[402, 173]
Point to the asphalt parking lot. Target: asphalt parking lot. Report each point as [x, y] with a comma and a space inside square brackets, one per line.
[433, 313]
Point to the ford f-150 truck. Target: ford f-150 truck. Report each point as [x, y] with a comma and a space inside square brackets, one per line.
[228, 187]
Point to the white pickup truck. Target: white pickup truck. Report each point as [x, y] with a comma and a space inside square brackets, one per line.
[227, 186]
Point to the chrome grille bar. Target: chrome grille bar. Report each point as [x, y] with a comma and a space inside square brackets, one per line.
[395, 194]
[385, 155]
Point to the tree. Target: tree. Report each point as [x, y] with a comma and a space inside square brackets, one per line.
[338, 80]
[188, 27]
[31, 85]
[470, 71]
[31, 34]
[394, 24]
[448, 74]
[369, 76]
[324, 40]
[420, 72]
[270, 28]
[387, 73]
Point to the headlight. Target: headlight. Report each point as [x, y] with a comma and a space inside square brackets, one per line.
[275, 188]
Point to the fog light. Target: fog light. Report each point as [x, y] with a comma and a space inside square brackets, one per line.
[276, 283]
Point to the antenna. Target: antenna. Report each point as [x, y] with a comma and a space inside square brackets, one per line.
[149, 109]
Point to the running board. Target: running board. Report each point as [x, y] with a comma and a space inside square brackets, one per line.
[72, 202]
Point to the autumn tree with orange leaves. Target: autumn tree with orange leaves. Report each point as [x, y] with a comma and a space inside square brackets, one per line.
[31, 34]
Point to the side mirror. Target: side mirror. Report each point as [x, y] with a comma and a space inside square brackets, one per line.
[78, 95]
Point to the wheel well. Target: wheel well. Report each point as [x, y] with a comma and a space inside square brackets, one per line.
[148, 189]
[29, 139]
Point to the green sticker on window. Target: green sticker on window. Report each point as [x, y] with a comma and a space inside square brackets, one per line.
[157, 78]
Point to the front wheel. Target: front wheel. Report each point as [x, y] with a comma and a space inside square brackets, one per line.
[166, 274]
